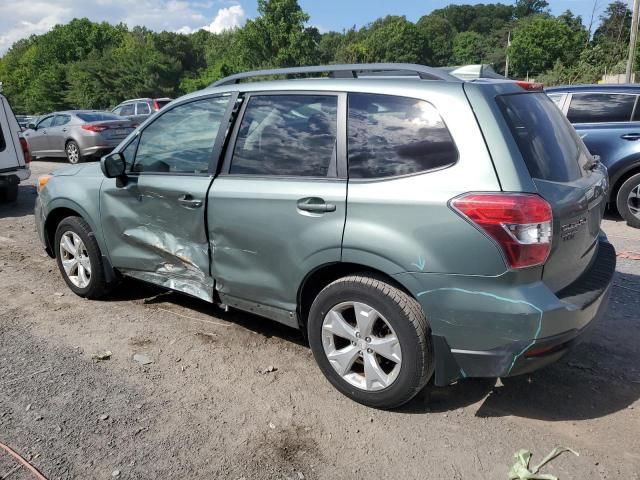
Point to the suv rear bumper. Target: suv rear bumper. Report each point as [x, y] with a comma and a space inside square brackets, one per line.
[526, 326]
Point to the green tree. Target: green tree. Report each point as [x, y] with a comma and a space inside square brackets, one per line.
[539, 41]
[469, 47]
[525, 8]
[438, 34]
[278, 37]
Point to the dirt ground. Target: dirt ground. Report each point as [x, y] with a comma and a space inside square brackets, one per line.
[205, 408]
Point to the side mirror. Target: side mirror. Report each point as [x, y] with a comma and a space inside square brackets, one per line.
[113, 166]
[31, 126]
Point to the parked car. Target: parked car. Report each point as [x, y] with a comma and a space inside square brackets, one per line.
[139, 109]
[76, 134]
[14, 153]
[607, 117]
[410, 227]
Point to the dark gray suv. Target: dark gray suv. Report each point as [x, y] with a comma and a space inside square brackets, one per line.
[414, 226]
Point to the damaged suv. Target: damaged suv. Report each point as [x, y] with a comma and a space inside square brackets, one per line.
[414, 226]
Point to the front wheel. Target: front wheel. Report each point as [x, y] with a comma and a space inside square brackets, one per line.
[73, 152]
[371, 340]
[79, 258]
[628, 201]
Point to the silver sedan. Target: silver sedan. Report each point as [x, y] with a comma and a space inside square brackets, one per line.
[76, 134]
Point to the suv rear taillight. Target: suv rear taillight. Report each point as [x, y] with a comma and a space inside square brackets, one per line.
[25, 150]
[520, 223]
[94, 128]
[156, 105]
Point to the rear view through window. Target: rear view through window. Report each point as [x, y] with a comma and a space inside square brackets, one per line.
[600, 107]
[390, 136]
[549, 145]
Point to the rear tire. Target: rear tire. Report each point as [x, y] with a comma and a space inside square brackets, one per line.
[73, 152]
[392, 322]
[628, 201]
[79, 258]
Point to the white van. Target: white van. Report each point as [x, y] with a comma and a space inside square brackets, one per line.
[14, 153]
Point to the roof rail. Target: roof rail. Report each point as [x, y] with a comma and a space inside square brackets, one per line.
[347, 71]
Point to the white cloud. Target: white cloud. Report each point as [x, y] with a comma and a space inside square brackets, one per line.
[20, 19]
[227, 19]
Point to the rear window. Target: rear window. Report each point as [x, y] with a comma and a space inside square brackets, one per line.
[548, 143]
[97, 116]
[600, 107]
[162, 103]
[390, 136]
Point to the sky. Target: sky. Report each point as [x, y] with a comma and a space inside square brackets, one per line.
[21, 18]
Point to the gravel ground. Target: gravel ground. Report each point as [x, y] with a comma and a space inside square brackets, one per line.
[205, 408]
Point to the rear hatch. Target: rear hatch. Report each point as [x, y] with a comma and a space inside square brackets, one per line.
[112, 128]
[115, 130]
[565, 175]
[11, 157]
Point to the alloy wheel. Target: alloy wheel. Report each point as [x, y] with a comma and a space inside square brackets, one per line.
[361, 346]
[633, 201]
[75, 259]
[73, 154]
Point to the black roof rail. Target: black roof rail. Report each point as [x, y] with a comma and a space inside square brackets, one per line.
[347, 71]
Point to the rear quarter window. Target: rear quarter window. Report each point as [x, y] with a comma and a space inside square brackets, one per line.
[550, 147]
[3, 144]
[391, 136]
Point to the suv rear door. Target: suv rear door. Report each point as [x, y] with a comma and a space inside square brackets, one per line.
[277, 210]
[559, 166]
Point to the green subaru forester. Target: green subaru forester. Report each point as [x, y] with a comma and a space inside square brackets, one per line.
[413, 225]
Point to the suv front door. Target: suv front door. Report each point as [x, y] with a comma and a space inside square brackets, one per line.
[154, 226]
[277, 210]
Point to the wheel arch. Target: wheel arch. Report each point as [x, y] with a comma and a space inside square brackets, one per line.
[618, 180]
[324, 274]
[59, 213]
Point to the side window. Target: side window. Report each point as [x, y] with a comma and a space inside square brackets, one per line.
[600, 107]
[390, 136]
[3, 145]
[61, 120]
[181, 140]
[142, 109]
[127, 110]
[45, 122]
[292, 135]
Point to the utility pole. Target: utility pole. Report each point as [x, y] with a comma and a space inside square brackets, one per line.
[632, 41]
[506, 63]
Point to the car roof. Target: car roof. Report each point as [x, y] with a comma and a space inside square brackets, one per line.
[604, 88]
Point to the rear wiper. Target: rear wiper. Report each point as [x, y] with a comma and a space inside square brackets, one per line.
[593, 163]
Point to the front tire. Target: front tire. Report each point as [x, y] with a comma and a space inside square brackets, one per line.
[79, 258]
[73, 152]
[628, 201]
[371, 340]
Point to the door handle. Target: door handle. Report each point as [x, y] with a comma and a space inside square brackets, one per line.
[315, 205]
[631, 136]
[64, 129]
[188, 201]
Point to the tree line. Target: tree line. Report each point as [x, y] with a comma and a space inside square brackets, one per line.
[84, 64]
